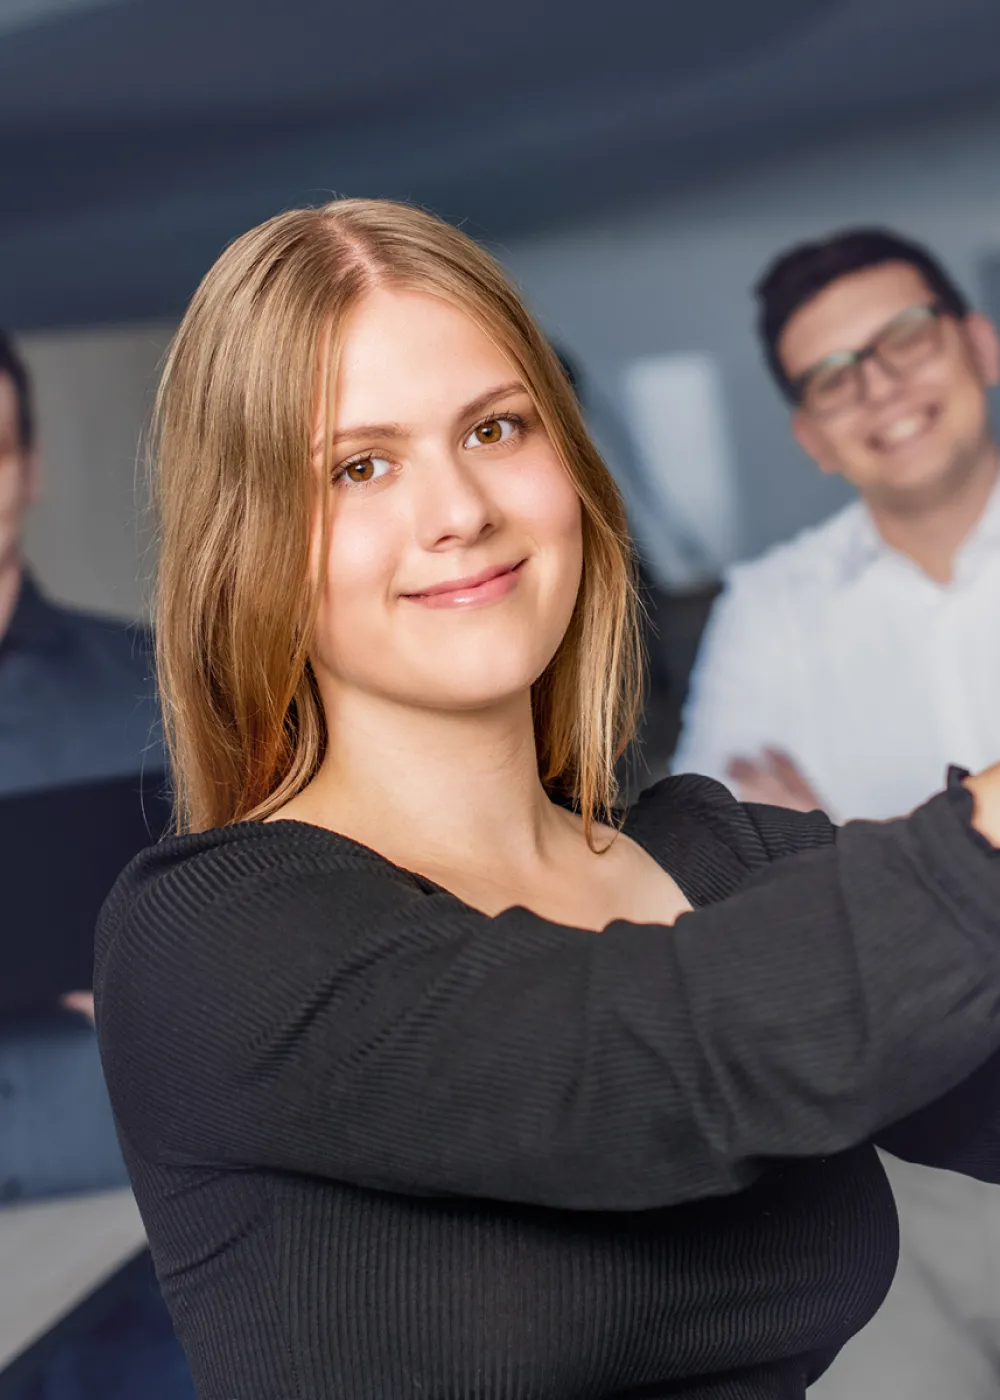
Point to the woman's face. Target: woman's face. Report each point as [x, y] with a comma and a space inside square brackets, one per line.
[455, 545]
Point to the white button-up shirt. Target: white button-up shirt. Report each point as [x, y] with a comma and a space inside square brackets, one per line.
[843, 653]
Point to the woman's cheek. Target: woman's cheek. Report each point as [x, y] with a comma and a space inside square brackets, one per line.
[364, 551]
[545, 500]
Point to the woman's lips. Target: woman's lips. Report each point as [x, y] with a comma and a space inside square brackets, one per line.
[479, 589]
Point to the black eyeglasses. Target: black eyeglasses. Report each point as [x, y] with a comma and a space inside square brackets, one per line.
[901, 346]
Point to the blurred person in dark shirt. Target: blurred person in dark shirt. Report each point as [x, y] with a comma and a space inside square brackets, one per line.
[77, 704]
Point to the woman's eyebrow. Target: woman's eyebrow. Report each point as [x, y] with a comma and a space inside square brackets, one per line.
[363, 430]
[397, 430]
[491, 395]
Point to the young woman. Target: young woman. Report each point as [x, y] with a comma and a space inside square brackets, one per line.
[436, 1077]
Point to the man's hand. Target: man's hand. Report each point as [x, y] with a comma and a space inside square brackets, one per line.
[82, 1002]
[773, 778]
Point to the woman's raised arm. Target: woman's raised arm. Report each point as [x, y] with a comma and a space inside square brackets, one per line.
[286, 1001]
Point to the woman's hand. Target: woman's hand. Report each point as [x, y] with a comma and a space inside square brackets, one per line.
[985, 789]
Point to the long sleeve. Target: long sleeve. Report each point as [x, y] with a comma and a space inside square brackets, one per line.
[287, 1000]
[960, 1131]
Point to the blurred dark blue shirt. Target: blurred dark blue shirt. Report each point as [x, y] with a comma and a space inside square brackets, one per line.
[77, 698]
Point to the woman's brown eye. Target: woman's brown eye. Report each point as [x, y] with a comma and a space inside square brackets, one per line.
[360, 471]
[492, 432]
[363, 470]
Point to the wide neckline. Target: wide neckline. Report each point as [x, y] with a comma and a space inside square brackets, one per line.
[629, 828]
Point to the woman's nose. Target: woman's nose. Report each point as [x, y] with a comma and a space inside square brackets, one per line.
[452, 504]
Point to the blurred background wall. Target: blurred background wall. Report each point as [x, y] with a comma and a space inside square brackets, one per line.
[673, 276]
[634, 166]
[89, 536]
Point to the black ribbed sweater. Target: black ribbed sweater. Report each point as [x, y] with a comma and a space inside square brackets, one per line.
[388, 1147]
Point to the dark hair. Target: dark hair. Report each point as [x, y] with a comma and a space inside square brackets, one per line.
[806, 270]
[16, 370]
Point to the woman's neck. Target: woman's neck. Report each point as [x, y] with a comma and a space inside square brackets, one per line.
[433, 789]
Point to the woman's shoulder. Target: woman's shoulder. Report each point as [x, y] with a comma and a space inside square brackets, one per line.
[696, 823]
[239, 849]
[184, 879]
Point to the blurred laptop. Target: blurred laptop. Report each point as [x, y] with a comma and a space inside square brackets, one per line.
[61, 850]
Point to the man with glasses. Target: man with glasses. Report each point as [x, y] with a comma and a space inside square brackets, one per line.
[848, 667]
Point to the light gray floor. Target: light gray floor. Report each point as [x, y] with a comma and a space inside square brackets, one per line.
[55, 1254]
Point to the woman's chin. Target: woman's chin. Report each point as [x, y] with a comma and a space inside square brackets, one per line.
[473, 699]
[451, 679]
[467, 690]
[479, 674]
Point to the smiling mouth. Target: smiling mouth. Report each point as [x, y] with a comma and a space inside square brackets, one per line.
[484, 587]
[904, 431]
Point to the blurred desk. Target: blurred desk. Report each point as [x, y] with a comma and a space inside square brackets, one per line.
[64, 1263]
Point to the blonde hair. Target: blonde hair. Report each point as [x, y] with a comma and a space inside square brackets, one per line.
[235, 492]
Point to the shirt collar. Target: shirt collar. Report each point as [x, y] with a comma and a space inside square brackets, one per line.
[36, 624]
[864, 545]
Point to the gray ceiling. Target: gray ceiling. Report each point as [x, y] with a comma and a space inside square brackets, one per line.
[138, 136]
